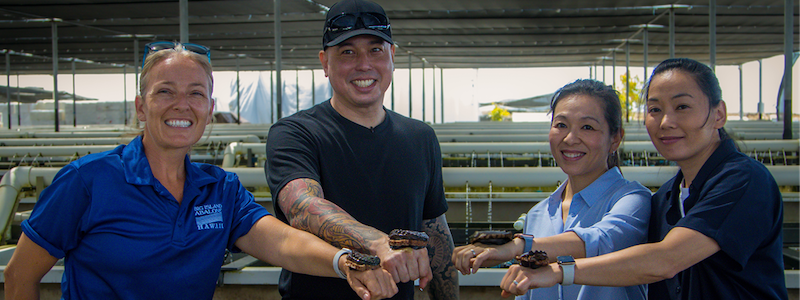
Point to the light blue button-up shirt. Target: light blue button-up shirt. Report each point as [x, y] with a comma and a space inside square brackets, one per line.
[610, 214]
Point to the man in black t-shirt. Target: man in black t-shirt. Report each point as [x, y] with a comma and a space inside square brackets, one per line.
[350, 171]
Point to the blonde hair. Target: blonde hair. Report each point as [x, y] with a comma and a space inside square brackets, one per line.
[159, 56]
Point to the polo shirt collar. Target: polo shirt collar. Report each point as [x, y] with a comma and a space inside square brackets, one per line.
[137, 168]
[724, 149]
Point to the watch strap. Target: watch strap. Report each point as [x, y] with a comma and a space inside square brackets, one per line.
[528, 239]
[568, 272]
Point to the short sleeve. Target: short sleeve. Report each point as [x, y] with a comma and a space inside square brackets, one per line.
[435, 202]
[56, 221]
[290, 155]
[246, 211]
[624, 225]
[732, 197]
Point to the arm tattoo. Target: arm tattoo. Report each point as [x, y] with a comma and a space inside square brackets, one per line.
[440, 250]
[303, 203]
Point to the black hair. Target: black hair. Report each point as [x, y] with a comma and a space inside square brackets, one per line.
[704, 77]
[612, 111]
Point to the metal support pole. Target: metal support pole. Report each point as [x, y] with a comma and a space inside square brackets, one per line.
[614, 69]
[271, 95]
[278, 66]
[313, 89]
[671, 32]
[410, 105]
[434, 93]
[760, 102]
[627, 81]
[238, 94]
[8, 86]
[19, 112]
[441, 91]
[54, 27]
[184, 21]
[124, 95]
[788, 58]
[604, 70]
[423, 91]
[136, 64]
[74, 93]
[297, 90]
[393, 91]
[741, 96]
[712, 33]
[645, 42]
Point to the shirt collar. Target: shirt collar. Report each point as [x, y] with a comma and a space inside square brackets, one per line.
[725, 148]
[595, 191]
[137, 167]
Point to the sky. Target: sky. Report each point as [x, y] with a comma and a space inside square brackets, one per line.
[464, 89]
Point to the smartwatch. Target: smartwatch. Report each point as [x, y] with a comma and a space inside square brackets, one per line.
[528, 239]
[567, 264]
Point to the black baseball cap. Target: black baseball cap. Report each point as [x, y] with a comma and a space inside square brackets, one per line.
[350, 18]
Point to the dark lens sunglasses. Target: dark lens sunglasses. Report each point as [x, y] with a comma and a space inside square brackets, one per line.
[345, 22]
[158, 46]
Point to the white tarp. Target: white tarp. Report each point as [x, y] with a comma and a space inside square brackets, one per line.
[257, 103]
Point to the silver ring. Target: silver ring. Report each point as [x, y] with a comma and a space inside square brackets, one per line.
[516, 283]
[473, 252]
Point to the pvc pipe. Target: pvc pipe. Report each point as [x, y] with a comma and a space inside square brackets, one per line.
[77, 140]
[11, 184]
[236, 148]
[54, 150]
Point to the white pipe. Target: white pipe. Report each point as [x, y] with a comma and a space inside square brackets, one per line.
[54, 150]
[11, 184]
[64, 141]
[236, 148]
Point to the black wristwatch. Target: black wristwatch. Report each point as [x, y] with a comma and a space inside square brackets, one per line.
[567, 264]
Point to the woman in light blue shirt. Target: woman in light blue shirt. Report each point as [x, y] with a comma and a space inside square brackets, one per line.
[595, 211]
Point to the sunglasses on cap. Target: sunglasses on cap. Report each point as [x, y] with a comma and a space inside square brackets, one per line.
[162, 45]
[345, 22]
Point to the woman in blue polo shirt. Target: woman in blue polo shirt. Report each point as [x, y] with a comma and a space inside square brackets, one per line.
[594, 212]
[715, 229]
[144, 222]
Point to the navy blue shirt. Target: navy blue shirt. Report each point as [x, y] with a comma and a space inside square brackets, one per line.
[124, 236]
[735, 201]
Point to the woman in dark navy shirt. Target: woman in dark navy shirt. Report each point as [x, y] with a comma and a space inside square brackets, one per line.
[715, 229]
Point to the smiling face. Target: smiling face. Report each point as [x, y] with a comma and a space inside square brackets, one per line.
[175, 105]
[682, 125]
[360, 70]
[580, 139]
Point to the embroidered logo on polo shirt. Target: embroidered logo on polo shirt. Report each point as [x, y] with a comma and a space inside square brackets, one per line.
[208, 216]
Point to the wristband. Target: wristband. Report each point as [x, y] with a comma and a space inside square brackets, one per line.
[567, 264]
[528, 239]
[336, 261]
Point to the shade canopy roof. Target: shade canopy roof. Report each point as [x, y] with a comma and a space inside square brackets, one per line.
[443, 33]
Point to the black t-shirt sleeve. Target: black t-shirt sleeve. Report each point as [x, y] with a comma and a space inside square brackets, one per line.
[435, 202]
[291, 154]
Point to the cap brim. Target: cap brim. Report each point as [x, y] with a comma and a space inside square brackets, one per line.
[361, 31]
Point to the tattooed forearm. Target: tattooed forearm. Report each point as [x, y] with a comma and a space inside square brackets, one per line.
[440, 250]
[303, 203]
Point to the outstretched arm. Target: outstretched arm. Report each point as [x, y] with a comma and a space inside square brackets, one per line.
[26, 268]
[303, 203]
[641, 264]
[440, 250]
[273, 241]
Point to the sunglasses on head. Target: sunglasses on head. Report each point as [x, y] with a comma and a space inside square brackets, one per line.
[345, 22]
[162, 45]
